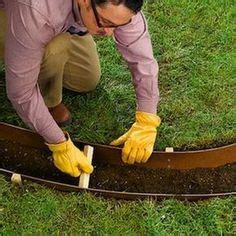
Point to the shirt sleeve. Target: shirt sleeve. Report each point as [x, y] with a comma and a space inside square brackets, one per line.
[27, 35]
[133, 42]
[1, 4]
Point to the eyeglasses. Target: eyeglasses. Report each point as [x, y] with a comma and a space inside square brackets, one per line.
[99, 24]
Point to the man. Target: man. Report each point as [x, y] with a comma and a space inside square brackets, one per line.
[49, 46]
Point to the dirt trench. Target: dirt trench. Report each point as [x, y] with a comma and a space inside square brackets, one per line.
[126, 178]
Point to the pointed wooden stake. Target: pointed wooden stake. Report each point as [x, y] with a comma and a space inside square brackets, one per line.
[84, 177]
[16, 179]
[169, 149]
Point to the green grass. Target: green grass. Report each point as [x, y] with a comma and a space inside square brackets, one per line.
[194, 45]
[37, 210]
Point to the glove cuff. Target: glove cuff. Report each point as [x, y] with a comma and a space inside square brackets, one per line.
[60, 147]
[148, 118]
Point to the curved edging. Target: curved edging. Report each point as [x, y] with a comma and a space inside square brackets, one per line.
[210, 158]
[116, 194]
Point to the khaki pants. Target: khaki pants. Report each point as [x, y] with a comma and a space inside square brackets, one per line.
[69, 61]
[2, 33]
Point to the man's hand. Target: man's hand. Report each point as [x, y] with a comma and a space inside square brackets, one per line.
[69, 159]
[140, 139]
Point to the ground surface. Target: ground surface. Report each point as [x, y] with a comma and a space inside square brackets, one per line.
[193, 44]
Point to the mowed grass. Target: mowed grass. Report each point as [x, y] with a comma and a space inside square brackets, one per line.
[36, 210]
[194, 45]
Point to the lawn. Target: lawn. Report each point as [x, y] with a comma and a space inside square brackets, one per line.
[193, 42]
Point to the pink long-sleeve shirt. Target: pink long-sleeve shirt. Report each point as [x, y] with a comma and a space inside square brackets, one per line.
[31, 24]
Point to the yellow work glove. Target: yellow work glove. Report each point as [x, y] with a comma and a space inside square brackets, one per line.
[69, 159]
[140, 139]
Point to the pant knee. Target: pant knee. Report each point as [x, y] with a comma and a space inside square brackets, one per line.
[93, 79]
[82, 80]
[58, 46]
[3, 21]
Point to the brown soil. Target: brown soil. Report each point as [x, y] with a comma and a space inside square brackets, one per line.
[125, 178]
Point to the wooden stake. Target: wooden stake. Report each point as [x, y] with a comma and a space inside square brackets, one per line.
[16, 179]
[169, 149]
[84, 177]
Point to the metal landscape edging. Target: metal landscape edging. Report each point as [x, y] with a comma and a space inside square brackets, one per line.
[116, 194]
[209, 158]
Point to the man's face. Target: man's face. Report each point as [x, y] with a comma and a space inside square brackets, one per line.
[102, 20]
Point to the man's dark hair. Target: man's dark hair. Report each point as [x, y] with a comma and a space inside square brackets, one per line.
[133, 5]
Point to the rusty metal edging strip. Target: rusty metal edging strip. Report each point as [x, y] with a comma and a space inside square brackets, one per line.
[177, 160]
[210, 158]
[116, 194]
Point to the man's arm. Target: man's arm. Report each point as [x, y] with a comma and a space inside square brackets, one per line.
[27, 35]
[133, 41]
